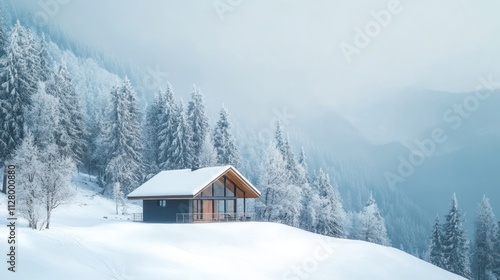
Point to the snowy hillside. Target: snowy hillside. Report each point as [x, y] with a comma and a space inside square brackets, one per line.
[87, 241]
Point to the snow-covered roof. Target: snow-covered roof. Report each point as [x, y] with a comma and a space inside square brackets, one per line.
[184, 182]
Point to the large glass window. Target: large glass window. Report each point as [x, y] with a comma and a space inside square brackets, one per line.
[230, 206]
[219, 187]
[219, 206]
[207, 192]
[229, 188]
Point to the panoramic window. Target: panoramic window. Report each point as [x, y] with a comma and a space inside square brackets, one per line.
[219, 187]
[229, 188]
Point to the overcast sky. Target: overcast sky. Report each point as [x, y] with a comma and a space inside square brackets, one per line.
[287, 52]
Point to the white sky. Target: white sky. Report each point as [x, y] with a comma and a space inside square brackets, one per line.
[286, 52]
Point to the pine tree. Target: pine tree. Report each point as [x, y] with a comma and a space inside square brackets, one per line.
[72, 130]
[3, 35]
[373, 224]
[496, 255]
[12, 98]
[45, 60]
[154, 115]
[198, 123]
[436, 246]
[485, 238]
[123, 140]
[331, 218]
[455, 244]
[182, 146]
[224, 143]
[310, 198]
[168, 122]
[32, 56]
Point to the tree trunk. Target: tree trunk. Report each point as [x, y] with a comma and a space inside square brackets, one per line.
[48, 217]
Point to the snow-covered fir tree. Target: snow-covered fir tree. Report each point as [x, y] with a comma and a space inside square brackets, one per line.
[436, 246]
[496, 254]
[45, 60]
[198, 123]
[310, 197]
[42, 117]
[154, 115]
[168, 123]
[484, 241]
[32, 56]
[3, 35]
[224, 142]
[455, 244]
[123, 139]
[372, 224]
[182, 153]
[331, 219]
[71, 128]
[12, 96]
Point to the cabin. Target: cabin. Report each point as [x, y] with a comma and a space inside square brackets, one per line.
[209, 194]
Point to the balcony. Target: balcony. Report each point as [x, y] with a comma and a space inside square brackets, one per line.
[214, 217]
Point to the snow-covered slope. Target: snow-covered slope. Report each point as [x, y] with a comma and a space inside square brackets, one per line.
[87, 241]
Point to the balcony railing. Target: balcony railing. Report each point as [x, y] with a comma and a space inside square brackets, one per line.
[137, 217]
[214, 217]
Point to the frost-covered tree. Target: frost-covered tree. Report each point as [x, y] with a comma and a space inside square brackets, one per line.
[484, 241]
[224, 142]
[280, 200]
[331, 219]
[168, 123]
[182, 146]
[13, 97]
[455, 244]
[123, 139]
[373, 224]
[3, 35]
[55, 180]
[42, 117]
[310, 197]
[29, 168]
[198, 123]
[71, 129]
[119, 197]
[45, 60]
[496, 256]
[154, 115]
[208, 156]
[32, 73]
[436, 246]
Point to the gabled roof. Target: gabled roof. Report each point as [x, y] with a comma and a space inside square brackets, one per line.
[187, 183]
